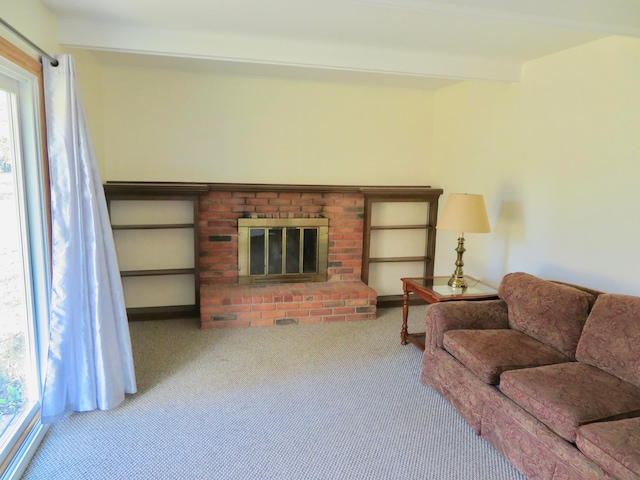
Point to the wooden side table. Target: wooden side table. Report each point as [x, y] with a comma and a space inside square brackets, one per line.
[435, 290]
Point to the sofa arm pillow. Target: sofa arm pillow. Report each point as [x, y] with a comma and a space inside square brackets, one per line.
[476, 315]
[611, 337]
[550, 312]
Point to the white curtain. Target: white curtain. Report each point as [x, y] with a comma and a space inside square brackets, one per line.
[90, 363]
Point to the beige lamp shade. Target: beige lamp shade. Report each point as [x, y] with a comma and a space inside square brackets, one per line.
[465, 213]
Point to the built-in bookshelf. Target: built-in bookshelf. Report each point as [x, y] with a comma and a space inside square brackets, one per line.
[155, 230]
[399, 237]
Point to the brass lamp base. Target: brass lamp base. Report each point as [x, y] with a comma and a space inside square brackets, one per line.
[457, 280]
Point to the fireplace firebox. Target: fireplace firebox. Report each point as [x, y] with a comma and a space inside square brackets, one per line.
[282, 250]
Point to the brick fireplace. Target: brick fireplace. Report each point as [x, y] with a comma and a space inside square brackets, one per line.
[225, 303]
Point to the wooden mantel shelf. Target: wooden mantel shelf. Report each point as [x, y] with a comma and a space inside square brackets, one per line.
[117, 188]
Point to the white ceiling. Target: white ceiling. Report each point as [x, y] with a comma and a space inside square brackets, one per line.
[416, 43]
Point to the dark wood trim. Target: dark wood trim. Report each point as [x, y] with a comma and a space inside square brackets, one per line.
[163, 271]
[366, 240]
[400, 194]
[389, 301]
[417, 339]
[397, 259]
[163, 313]
[152, 190]
[400, 227]
[144, 226]
[165, 188]
[196, 251]
[426, 195]
[430, 247]
[365, 189]
[162, 191]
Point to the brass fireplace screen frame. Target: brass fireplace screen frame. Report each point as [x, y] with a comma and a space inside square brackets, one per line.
[245, 225]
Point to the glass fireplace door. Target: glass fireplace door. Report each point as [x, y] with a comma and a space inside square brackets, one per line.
[276, 250]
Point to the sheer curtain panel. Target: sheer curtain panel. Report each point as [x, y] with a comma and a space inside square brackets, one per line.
[89, 364]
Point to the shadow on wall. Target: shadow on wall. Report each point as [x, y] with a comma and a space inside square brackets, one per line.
[596, 281]
[509, 230]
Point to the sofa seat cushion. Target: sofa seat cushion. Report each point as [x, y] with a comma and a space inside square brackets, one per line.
[615, 446]
[550, 312]
[488, 353]
[566, 396]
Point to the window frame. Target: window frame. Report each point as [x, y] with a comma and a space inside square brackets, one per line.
[27, 71]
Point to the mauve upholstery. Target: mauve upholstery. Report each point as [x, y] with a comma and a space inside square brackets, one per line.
[611, 337]
[442, 317]
[613, 445]
[577, 416]
[532, 447]
[445, 374]
[568, 395]
[462, 389]
[550, 312]
[488, 353]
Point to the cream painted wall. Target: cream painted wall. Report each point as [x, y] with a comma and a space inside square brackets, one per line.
[34, 21]
[557, 158]
[167, 125]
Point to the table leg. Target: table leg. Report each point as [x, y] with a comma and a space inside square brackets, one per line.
[405, 315]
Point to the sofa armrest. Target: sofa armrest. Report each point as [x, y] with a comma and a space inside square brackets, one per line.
[463, 315]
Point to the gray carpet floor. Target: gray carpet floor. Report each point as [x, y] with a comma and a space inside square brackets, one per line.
[325, 401]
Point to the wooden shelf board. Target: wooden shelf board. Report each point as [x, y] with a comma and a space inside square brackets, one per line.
[397, 259]
[399, 227]
[391, 301]
[152, 190]
[417, 339]
[163, 313]
[166, 226]
[155, 272]
[117, 190]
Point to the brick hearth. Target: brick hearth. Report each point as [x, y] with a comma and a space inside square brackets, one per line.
[225, 303]
[283, 304]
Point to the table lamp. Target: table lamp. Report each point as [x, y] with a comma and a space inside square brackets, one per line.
[464, 213]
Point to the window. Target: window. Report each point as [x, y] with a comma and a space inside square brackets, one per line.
[24, 272]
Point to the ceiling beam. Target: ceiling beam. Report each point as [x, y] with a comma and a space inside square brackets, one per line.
[283, 52]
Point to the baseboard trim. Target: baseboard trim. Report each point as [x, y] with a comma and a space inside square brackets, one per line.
[163, 313]
[389, 301]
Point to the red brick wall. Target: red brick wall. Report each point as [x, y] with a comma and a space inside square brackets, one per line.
[284, 304]
[218, 221]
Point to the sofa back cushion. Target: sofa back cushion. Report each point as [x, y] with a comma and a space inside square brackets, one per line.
[610, 340]
[550, 312]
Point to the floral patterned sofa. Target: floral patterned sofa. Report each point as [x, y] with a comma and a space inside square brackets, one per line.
[549, 375]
